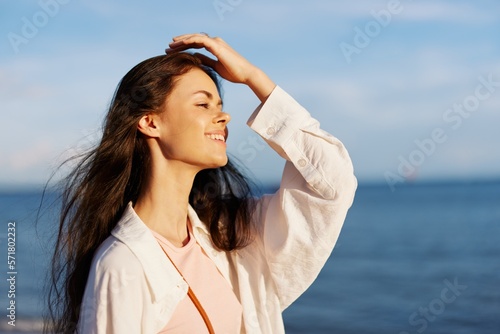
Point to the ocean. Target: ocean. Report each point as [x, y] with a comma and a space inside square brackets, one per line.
[424, 258]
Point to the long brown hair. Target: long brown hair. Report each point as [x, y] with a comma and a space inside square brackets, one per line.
[96, 192]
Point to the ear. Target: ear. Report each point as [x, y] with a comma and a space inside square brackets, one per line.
[148, 125]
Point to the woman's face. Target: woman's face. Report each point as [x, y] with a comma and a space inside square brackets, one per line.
[193, 125]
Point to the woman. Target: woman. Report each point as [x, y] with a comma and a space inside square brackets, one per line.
[158, 232]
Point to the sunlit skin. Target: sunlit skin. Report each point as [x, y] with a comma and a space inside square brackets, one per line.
[186, 136]
[192, 115]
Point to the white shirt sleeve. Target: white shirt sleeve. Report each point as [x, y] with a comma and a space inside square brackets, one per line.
[300, 223]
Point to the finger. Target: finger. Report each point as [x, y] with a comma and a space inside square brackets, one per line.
[187, 44]
[198, 40]
[205, 60]
[176, 38]
[184, 36]
[169, 51]
[195, 40]
[181, 48]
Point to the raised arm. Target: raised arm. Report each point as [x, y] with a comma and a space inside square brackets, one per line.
[300, 223]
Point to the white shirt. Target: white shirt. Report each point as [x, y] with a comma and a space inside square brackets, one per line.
[133, 288]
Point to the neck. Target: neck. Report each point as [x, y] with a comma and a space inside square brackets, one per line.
[163, 202]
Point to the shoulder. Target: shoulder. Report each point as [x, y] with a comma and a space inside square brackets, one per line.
[116, 295]
[113, 256]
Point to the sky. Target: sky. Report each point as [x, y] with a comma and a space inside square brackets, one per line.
[412, 88]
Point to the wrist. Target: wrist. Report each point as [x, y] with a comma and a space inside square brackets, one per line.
[260, 84]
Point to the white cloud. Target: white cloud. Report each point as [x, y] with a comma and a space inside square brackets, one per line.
[16, 80]
[418, 11]
[446, 11]
[23, 159]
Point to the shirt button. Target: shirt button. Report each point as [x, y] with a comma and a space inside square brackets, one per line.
[214, 253]
[302, 162]
[271, 131]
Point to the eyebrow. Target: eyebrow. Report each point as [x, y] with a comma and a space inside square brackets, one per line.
[209, 95]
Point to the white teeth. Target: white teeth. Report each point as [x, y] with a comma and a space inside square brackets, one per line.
[216, 137]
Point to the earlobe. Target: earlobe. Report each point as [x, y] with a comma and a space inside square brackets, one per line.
[148, 126]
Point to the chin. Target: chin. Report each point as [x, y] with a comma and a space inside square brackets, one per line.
[218, 163]
[223, 162]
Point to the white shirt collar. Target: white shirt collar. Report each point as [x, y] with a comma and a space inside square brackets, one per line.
[159, 271]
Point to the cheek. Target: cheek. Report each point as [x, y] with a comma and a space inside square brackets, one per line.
[184, 131]
[187, 134]
[176, 127]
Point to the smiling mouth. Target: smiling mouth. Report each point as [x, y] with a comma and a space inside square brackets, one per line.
[216, 137]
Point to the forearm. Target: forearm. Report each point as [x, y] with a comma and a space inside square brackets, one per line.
[261, 84]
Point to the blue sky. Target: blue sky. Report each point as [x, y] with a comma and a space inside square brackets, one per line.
[411, 87]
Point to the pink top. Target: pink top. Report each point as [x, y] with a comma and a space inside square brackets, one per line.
[212, 290]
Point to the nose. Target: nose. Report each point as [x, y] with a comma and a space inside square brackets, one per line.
[222, 117]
